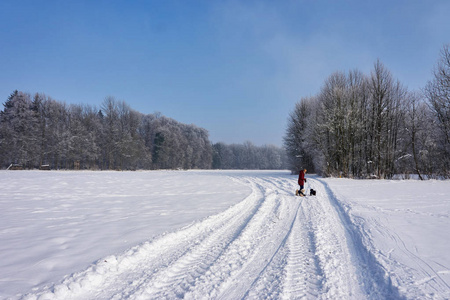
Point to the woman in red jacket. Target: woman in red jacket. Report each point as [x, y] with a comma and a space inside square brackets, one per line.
[301, 182]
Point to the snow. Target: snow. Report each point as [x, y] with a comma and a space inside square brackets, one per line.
[220, 235]
[54, 223]
[405, 224]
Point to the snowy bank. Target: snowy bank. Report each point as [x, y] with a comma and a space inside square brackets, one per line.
[406, 225]
[58, 222]
[220, 235]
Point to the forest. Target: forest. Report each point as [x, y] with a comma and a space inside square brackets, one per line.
[358, 125]
[371, 126]
[40, 132]
[248, 156]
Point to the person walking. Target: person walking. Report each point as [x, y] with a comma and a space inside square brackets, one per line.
[301, 183]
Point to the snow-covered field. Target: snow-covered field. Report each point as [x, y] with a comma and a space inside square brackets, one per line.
[220, 235]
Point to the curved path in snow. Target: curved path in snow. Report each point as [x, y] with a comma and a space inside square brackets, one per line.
[271, 245]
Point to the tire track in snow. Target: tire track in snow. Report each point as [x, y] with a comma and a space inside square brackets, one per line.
[140, 265]
[369, 275]
[180, 277]
[293, 271]
[173, 279]
[271, 245]
[308, 283]
[241, 264]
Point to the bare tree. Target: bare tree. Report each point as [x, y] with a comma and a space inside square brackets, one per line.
[352, 127]
[297, 140]
[437, 93]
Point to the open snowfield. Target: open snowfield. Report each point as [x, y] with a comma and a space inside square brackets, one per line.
[220, 235]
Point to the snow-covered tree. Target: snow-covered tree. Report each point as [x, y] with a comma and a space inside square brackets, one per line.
[353, 127]
[298, 140]
[437, 93]
[18, 130]
[45, 131]
[248, 156]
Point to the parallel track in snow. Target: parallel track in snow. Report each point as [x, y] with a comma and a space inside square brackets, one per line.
[271, 245]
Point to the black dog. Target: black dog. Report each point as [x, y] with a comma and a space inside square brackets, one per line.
[312, 192]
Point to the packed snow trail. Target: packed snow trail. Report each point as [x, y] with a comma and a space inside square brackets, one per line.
[271, 245]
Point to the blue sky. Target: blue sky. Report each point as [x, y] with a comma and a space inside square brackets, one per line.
[235, 68]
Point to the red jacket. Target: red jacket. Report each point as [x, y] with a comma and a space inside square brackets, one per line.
[301, 178]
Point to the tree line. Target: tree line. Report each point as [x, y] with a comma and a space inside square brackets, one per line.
[40, 131]
[371, 126]
[248, 156]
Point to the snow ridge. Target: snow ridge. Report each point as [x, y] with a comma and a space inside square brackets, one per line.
[375, 279]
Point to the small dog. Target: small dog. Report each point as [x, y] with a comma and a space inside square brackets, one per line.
[312, 192]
